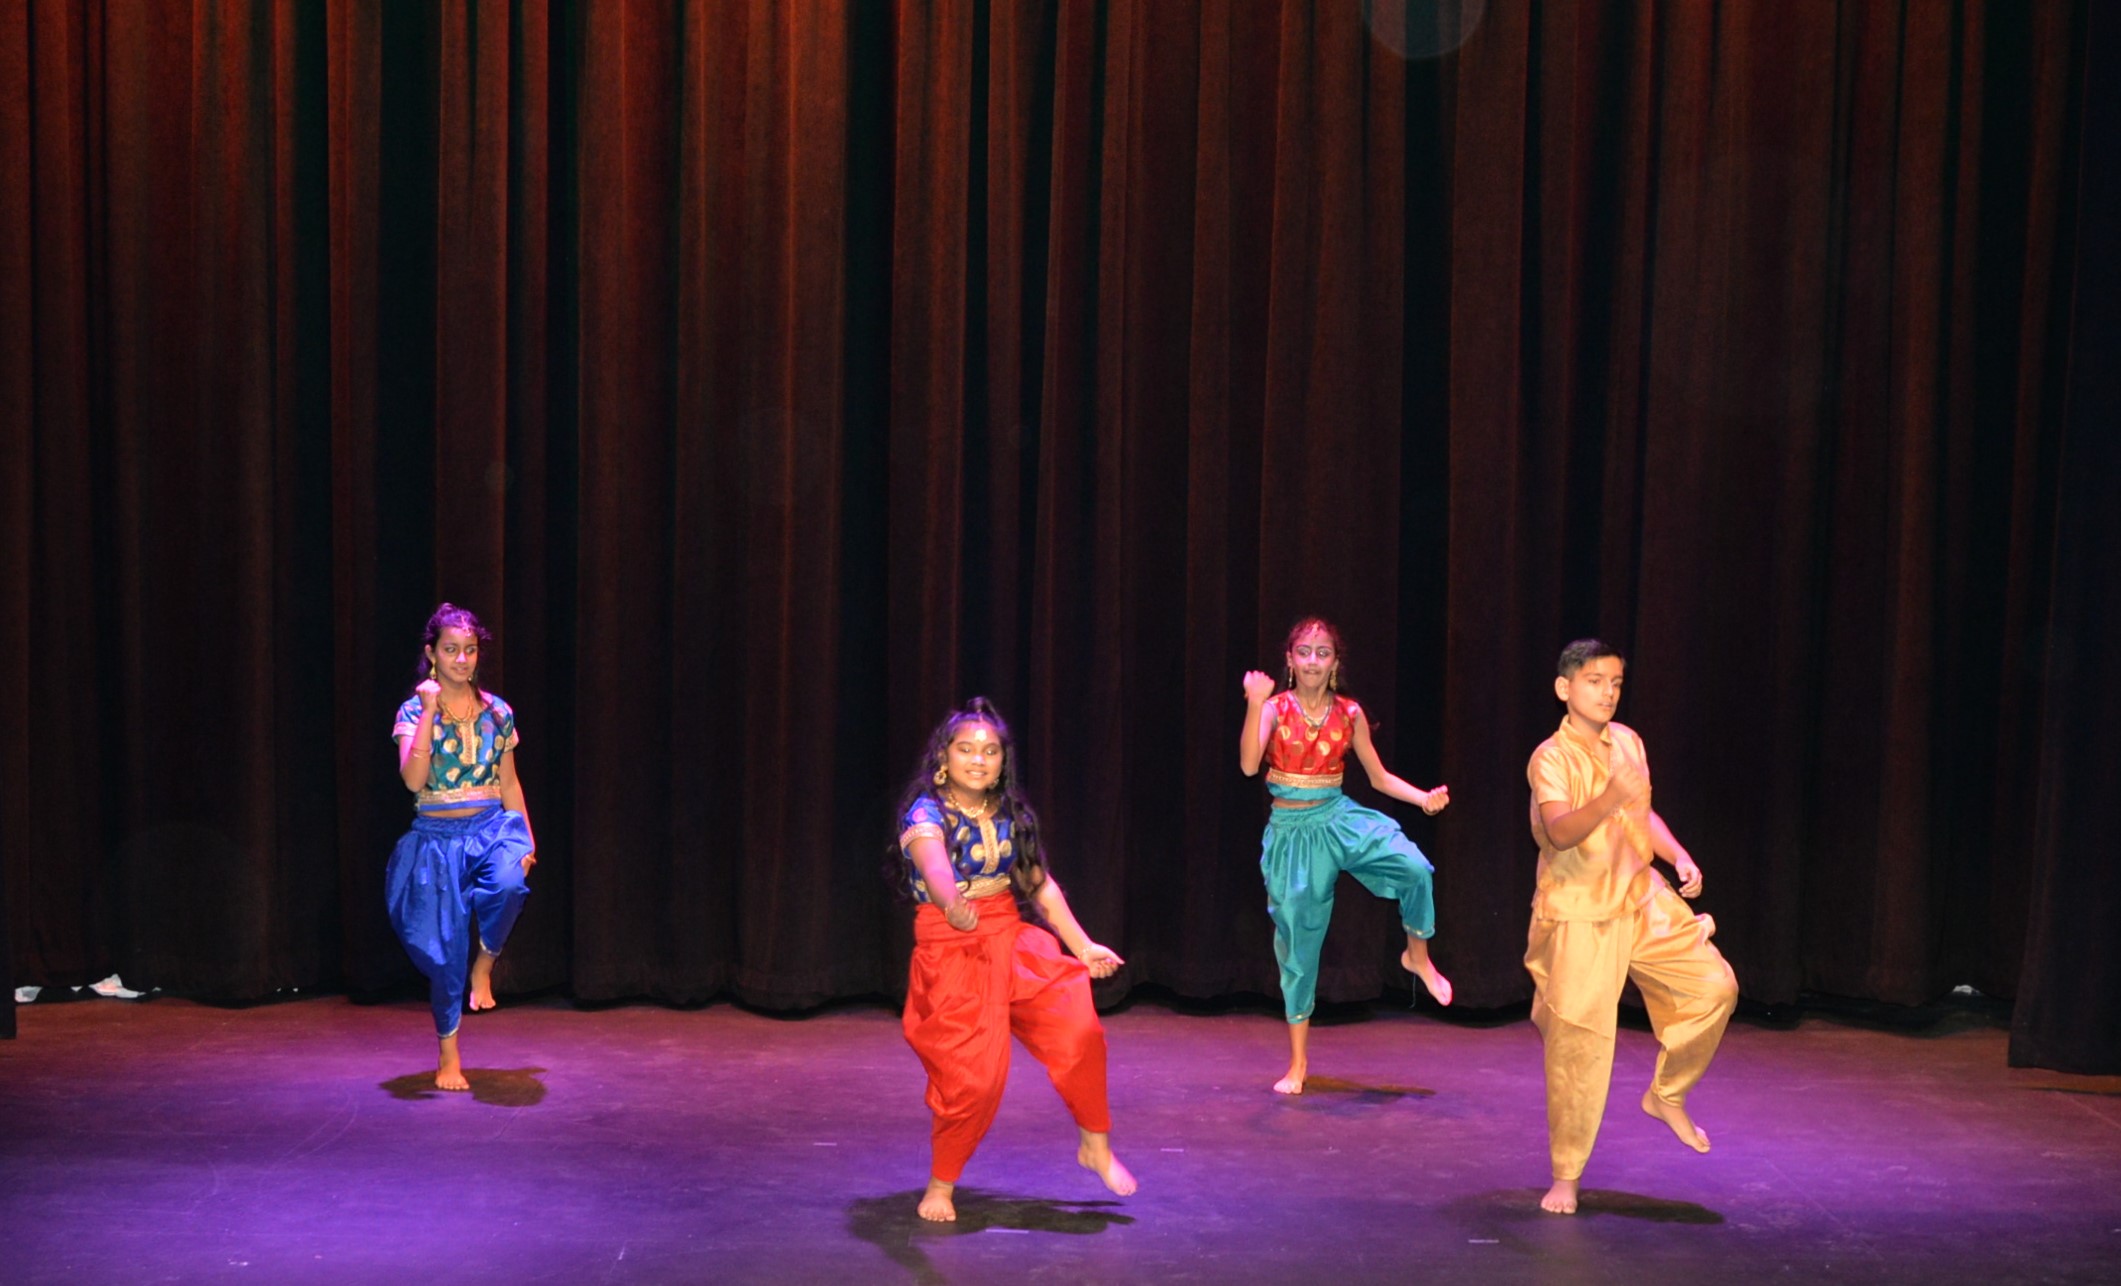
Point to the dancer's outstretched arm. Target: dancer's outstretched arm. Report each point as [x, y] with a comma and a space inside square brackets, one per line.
[1103, 960]
[1385, 783]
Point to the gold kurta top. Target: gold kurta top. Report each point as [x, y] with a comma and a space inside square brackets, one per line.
[1609, 873]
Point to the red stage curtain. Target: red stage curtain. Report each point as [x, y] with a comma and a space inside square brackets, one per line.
[772, 376]
[2068, 1014]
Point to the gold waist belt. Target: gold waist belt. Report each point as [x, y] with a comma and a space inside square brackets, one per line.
[459, 795]
[979, 886]
[1303, 781]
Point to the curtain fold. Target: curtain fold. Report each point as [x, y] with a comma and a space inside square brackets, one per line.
[773, 377]
[2065, 1016]
[17, 478]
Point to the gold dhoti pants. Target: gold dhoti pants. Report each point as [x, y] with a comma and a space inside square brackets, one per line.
[1578, 968]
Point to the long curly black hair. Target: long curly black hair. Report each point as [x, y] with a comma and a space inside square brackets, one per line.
[1028, 868]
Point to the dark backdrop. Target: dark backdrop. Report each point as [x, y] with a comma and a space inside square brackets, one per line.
[772, 376]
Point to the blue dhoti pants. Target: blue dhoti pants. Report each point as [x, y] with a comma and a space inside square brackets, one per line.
[455, 884]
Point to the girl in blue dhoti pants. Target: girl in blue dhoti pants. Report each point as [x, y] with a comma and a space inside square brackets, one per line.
[455, 882]
[1314, 832]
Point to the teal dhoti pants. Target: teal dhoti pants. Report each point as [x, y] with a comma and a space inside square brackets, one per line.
[1302, 855]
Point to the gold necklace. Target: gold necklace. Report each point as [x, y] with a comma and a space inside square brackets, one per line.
[986, 806]
[1323, 715]
[466, 725]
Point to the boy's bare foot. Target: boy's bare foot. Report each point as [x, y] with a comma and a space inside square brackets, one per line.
[1431, 977]
[1561, 1198]
[1095, 1155]
[1293, 1082]
[1675, 1116]
[936, 1206]
[449, 1072]
[481, 981]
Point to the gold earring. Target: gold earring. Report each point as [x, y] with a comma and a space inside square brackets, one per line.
[942, 774]
[1333, 679]
[1288, 675]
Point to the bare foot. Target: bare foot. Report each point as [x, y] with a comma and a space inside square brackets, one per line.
[1675, 1116]
[481, 981]
[1431, 977]
[1561, 1198]
[1095, 1155]
[1299, 1055]
[449, 1071]
[936, 1206]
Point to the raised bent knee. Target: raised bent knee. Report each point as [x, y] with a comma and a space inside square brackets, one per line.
[1080, 1048]
[1723, 994]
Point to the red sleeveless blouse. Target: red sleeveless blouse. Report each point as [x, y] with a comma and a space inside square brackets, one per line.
[1296, 748]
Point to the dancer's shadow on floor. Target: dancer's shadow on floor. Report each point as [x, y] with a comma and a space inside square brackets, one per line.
[1332, 1094]
[1591, 1203]
[2103, 1086]
[493, 1086]
[891, 1223]
[1634, 1205]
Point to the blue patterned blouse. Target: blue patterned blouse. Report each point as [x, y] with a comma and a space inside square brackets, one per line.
[980, 848]
[464, 764]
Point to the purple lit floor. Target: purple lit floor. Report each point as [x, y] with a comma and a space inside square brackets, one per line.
[167, 1141]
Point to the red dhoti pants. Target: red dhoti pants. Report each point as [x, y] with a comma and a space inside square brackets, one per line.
[967, 993]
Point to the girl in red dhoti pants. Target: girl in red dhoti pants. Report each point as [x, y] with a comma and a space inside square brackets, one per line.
[982, 973]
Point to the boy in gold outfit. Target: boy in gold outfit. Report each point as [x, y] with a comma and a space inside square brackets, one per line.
[1602, 914]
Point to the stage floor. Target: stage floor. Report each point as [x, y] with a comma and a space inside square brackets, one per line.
[303, 1142]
